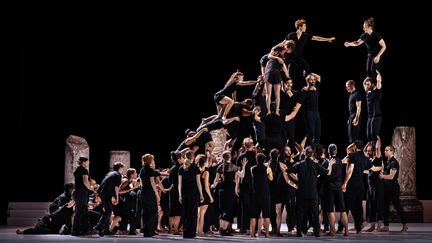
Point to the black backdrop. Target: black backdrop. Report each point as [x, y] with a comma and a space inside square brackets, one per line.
[125, 80]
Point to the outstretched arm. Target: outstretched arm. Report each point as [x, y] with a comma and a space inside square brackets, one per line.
[319, 38]
[353, 43]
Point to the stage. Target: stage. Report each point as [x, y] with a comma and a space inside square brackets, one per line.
[416, 233]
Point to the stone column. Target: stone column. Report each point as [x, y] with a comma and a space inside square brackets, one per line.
[120, 156]
[219, 139]
[75, 147]
[404, 142]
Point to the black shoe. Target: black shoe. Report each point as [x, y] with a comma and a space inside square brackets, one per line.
[97, 231]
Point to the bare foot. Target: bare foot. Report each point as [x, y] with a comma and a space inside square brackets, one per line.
[404, 228]
[19, 232]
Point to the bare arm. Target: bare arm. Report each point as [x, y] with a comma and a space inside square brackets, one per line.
[269, 173]
[189, 141]
[319, 38]
[180, 179]
[207, 185]
[356, 120]
[378, 148]
[353, 43]
[379, 81]
[389, 176]
[153, 184]
[383, 48]
[246, 83]
[87, 182]
[348, 176]
[198, 181]
[293, 114]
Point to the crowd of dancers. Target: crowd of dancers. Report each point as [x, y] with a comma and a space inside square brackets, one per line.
[262, 170]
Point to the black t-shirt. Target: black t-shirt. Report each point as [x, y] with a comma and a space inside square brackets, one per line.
[260, 182]
[108, 184]
[334, 180]
[372, 42]
[309, 98]
[264, 59]
[307, 172]
[251, 157]
[189, 184]
[353, 98]
[273, 124]
[300, 43]
[228, 90]
[373, 99]
[374, 175]
[287, 103]
[78, 174]
[392, 164]
[145, 174]
[361, 163]
[173, 176]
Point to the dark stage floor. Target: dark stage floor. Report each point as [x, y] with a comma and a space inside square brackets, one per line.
[416, 232]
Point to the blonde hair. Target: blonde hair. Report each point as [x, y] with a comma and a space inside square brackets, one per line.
[189, 158]
[147, 159]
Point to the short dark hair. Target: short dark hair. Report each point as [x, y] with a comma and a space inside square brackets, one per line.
[261, 158]
[117, 166]
[332, 149]
[68, 186]
[359, 144]
[82, 160]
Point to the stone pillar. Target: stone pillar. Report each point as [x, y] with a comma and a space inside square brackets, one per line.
[75, 147]
[219, 139]
[120, 156]
[404, 142]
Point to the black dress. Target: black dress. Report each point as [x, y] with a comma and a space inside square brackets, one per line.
[204, 192]
[227, 191]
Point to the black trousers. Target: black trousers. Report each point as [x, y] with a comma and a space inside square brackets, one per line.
[307, 207]
[372, 67]
[313, 127]
[353, 202]
[372, 129]
[375, 198]
[80, 221]
[290, 209]
[190, 203]
[289, 134]
[149, 213]
[353, 131]
[246, 207]
[104, 221]
[391, 194]
[301, 63]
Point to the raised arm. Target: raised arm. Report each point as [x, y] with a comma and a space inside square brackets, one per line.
[353, 43]
[189, 141]
[379, 81]
[319, 38]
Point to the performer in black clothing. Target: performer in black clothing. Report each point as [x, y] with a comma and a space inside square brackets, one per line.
[300, 38]
[373, 100]
[307, 195]
[273, 77]
[108, 191]
[288, 188]
[289, 98]
[64, 198]
[174, 204]
[333, 199]
[226, 177]
[205, 188]
[128, 197]
[276, 186]
[309, 98]
[261, 175]
[353, 184]
[392, 189]
[222, 97]
[354, 108]
[375, 46]
[375, 196]
[148, 197]
[259, 102]
[190, 194]
[53, 222]
[81, 197]
[244, 188]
